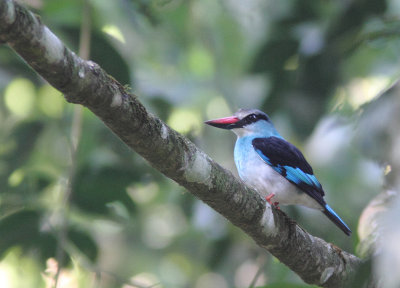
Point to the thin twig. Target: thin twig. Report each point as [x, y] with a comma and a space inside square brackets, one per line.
[261, 265]
[76, 132]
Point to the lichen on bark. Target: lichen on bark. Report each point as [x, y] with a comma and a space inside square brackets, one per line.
[85, 83]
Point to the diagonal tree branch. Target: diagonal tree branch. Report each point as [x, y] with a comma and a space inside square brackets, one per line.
[84, 82]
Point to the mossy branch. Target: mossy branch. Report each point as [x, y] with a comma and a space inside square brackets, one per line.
[84, 82]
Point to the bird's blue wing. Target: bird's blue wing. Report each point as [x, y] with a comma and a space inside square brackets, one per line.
[288, 161]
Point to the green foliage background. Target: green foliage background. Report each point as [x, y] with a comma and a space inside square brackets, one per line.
[313, 66]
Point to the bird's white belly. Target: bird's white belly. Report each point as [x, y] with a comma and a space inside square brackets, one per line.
[265, 180]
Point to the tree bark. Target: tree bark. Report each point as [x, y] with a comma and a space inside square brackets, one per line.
[84, 82]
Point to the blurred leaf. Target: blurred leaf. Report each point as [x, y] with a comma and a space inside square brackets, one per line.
[161, 106]
[84, 243]
[94, 189]
[22, 140]
[311, 57]
[19, 97]
[144, 7]
[363, 275]
[305, 90]
[23, 229]
[62, 12]
[355, 15]
[274, 54]
[104, 53]
[51, 101]
[219, 251]
[25, 136]
[13, 66]
[200, 62]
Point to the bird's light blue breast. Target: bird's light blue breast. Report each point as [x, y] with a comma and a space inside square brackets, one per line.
[255, 172]
[243, 154]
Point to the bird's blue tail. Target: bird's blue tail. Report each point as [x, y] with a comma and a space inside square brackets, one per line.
[328, 211]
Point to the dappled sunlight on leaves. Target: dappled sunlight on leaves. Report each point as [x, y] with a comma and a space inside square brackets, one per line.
[20, 96]
[185, 121]
[162, 225]
[314, 67]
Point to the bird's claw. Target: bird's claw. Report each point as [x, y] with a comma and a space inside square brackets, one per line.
[275, 204]
[269, 197]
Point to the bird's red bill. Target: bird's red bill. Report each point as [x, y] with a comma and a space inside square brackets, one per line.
[225, 120]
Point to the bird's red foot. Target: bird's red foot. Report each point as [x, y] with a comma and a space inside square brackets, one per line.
[269, 197]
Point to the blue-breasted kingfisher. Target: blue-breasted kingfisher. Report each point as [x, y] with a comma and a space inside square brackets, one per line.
[272, 166]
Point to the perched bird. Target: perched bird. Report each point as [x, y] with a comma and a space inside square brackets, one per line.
[272, 166]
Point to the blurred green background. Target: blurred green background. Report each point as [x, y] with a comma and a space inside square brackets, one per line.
[318, 68]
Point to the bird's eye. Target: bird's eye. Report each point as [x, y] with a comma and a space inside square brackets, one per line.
[252, 117]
